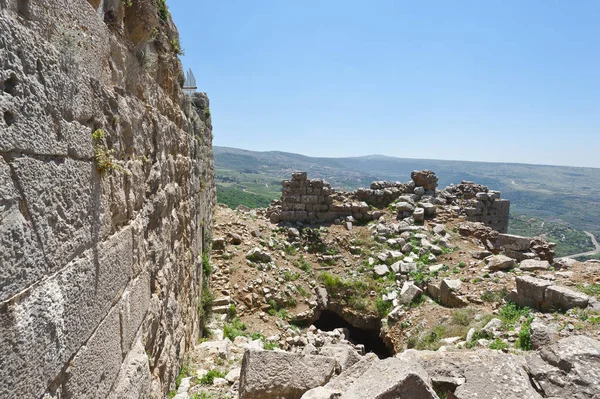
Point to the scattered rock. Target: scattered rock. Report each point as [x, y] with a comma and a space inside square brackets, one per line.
[500, 262]
[530, 265]
[258, 255]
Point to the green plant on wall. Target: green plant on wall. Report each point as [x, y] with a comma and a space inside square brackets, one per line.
[163, 12]
[104, 157]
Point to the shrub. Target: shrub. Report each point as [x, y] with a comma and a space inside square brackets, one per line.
[290, 250]
[383, 306]
[206, 267]
[206, 303]
[494, 295]
[231, 311]
[524, 340]
[290, 276]
[302, 264]
[462, 317]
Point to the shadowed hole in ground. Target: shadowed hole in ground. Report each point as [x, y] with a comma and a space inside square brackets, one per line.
[329, 321]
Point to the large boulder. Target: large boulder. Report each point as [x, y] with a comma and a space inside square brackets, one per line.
[569, 368]
[531, 291]
[274, 375]
[378, 379]
[424, 178]
[483, 374]
[345, 355]
[500, 262]
[258, 255]
[563, 298]
[449, 293]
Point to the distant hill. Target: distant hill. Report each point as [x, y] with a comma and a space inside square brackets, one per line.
[563, 196]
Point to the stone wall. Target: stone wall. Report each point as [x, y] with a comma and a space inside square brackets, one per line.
[490, 209]
[480, 204]
[100, 239]
[314, 201]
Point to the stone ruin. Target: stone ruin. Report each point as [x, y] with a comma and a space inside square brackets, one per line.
[314, 201]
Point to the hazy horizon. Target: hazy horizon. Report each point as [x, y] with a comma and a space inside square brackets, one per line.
[409, 158]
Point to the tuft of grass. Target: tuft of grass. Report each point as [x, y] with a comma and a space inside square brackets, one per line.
[209, 378]
[184, 372]
[510, 313]
[498, 344]
[290, 250]
[524, 340]
[290, 276]
[302, 264]
[163, 11]
[590, 289]
[235, 328]
[206, 266]
[383, 307]
[494, 295]
[231, 311]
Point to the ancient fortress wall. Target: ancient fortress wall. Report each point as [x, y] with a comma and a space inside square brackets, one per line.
[106, 196]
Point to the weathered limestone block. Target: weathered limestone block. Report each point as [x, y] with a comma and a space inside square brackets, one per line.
[531, 291]
[569, 368]
[449, 293]
[500, 262]
[94, 369]
[133, 381]
[134, 305]
[58, 195]
[530, 265]
[272, 375]
[21, 254]
[563, 298]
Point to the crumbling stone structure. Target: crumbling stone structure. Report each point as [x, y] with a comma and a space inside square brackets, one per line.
[106, 199]
[481, 205]
[315, 201]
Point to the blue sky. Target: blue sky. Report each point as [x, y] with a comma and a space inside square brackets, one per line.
[505, 81]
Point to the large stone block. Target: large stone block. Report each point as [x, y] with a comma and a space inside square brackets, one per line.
[133, 381]
[94, 369]
[531, 291]
[54, 319]
[133, 308]
[271, 375]
[21, 258]
[60, 201]
[563, 298]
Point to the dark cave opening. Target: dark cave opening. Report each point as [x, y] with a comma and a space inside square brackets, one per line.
[329, 321]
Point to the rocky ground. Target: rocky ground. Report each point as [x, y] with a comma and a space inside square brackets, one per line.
[397, 285]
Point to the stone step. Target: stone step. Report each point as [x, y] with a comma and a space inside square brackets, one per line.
[222, 301]
[220, 309]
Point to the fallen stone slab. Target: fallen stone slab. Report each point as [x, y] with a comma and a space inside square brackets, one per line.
[482, 374]
[563, 298]
[274, 375]
[500, 262]
[449, 294]
[530, 265]
[569, 368]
